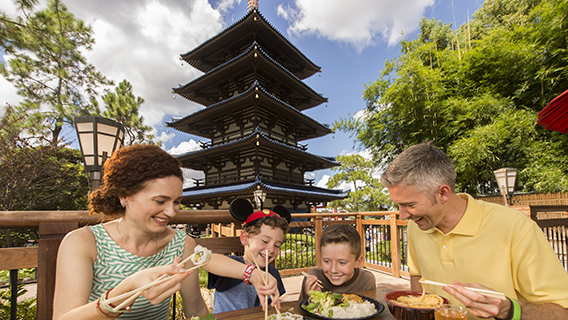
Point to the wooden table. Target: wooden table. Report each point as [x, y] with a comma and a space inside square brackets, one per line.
[256, 313]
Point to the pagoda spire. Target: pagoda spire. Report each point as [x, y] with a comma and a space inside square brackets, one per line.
[252, 5]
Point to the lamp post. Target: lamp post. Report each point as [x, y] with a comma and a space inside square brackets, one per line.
[259, 197]
[99, 138]
[506, 178]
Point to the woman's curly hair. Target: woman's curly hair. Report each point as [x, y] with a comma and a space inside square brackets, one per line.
[126, 173]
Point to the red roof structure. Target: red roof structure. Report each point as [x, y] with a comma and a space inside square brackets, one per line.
[555, 115]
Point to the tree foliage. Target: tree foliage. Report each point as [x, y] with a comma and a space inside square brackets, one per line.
[38, 177]
[123, 106]
[367, 192]
[475, 91]
[47, 66]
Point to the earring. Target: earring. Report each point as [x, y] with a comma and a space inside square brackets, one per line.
[123, 204]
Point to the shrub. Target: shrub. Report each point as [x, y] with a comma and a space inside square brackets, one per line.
[26, 309]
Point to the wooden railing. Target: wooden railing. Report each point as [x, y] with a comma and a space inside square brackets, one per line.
[529, 199]
[52, 227]
[383, 234]
[376, 230]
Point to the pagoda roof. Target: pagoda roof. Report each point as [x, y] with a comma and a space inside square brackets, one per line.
[241, 72]
[198, 159]
[252, 27]
[200, 123]
[311, 192]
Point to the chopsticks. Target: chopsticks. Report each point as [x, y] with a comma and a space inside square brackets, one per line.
[134, 294]
[489, 293]
[305, 274]
[265, 283]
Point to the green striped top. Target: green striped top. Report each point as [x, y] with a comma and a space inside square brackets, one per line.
[113, 264]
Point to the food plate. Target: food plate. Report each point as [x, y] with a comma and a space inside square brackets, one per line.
[379, 306]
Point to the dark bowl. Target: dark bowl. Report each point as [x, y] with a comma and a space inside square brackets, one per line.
[401, 312]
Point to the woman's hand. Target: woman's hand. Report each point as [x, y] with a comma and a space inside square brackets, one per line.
[157, 293]
[270, 289]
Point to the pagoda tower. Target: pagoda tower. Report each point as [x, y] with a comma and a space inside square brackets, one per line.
[253, 97]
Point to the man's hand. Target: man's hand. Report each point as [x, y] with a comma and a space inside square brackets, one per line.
[478, 304]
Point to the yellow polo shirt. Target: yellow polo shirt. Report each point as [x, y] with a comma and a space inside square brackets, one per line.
[492, 245]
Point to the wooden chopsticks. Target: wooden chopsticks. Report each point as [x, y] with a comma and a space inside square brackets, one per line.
[484, 292]
[134, 294]
[265, 283]
[305, 274]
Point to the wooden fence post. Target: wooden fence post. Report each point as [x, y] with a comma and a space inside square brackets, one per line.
[51, 235]
[395, 245]
[361, 231]
[318, 226]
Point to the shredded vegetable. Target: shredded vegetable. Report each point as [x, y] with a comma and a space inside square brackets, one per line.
[322, 302]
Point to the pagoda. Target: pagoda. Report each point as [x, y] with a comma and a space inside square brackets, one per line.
[253, 97]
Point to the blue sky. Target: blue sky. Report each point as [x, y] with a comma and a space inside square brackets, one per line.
[141, 40]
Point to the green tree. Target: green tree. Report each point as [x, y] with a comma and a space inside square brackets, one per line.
[47, 65]
[367, 193]
[476, 94]
[38, 177]
[123, 106]
[35, 176]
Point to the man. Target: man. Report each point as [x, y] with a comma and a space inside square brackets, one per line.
[453, 237]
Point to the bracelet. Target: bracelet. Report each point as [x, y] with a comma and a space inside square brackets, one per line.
[101, 312]
[248, 273]
[514, 311]
[110, 307]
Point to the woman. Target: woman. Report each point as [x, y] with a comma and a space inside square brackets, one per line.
[142, 186]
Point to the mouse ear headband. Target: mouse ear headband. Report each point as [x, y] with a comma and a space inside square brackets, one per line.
[242, 210]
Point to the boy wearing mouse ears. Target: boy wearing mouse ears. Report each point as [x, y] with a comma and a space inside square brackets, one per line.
[263, 233]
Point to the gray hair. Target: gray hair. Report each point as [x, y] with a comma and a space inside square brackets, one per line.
[424, 166]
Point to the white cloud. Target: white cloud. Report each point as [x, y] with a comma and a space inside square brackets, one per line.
[361, 115]
[225, 6]
[9, 95]
[184, 147]
[325, 178]
[142, 44]
[141, 41]
[360, 23]
[323, 182]
[189, 175]
[164, 136]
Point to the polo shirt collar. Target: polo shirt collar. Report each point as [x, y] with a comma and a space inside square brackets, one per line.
[470, 222]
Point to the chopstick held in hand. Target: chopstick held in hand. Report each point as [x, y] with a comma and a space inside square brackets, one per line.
[489, 293]
[304, 273]
[134, 294]
[265, 281]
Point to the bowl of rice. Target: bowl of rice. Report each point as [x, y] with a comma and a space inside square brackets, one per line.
[358, 308]
[409, 305]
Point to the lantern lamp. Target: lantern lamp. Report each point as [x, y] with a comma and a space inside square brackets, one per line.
[98, 138]
[506, 178]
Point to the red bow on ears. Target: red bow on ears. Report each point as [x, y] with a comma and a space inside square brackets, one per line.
[260, 214]
[242, 210]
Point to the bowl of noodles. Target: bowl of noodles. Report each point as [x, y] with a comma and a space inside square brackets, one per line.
[410, 305]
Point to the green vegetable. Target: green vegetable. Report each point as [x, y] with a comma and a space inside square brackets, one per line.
[208, 317]
[321, 302]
